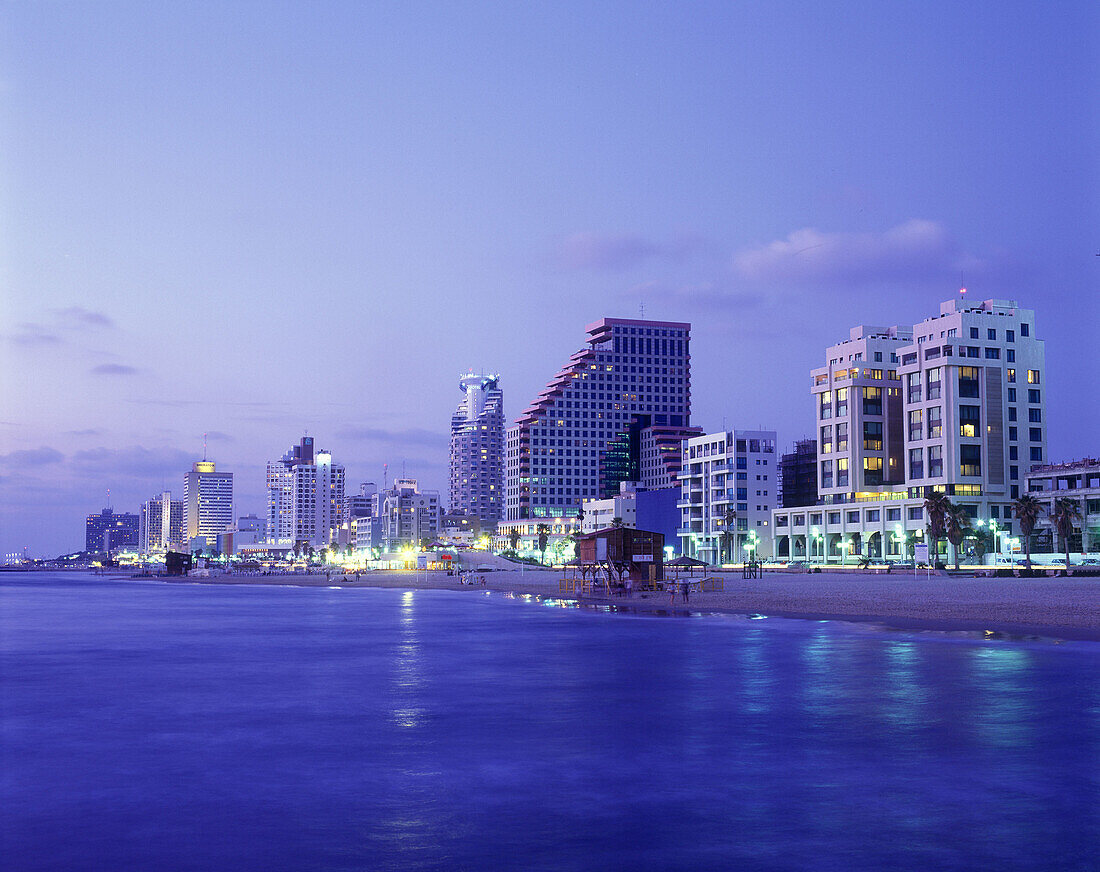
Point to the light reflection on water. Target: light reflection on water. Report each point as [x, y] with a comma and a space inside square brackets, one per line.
[385, 729]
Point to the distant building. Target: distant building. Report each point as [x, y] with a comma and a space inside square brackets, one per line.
[207, 501]
[109, 531]
[1079, 481]
[459, 528]
[408, 515]
[305, 497]
[798, 475]
[249, 533]
[732, 474]
[477, 449]
[162, 524]
[357, 505]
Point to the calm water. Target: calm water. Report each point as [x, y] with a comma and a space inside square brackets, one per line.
[172, 727]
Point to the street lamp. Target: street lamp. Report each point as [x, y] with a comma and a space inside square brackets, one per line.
[846, 550]
[815, 534]
[900, 538]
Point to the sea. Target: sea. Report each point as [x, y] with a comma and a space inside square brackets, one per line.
[155, 726]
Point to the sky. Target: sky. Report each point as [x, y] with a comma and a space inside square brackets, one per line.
[256, 220]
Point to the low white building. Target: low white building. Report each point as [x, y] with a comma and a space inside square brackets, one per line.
[599, 514]
[732, 475]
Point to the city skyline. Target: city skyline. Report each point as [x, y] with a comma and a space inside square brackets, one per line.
[456, 189]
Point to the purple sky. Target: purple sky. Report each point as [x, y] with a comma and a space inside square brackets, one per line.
[254, 219]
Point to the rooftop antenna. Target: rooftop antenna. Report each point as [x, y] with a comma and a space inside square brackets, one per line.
[962, 286]
[204, 447]
[108, 498]
[641, 309]
[385, 476]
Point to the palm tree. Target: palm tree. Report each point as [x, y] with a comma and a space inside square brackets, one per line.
[543, 531]
[729, 522]
[937, 505]
[1063, 514]
[513, 538]
[1027, 510]
[956, 525]
[616, 522]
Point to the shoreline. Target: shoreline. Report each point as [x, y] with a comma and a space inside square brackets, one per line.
[1056, 608]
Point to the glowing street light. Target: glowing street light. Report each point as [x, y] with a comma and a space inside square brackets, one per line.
[900, 538]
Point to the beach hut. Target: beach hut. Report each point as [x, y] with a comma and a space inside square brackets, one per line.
[617, 553]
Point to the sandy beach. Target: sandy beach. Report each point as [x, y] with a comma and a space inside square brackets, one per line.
[1067, 608]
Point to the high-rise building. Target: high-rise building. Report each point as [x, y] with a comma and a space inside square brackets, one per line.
[408, 515]
[798, 475]
[627, 369]
[729, 476]
[954, 404]
[305, 497]
[477, 449]
[108, 531]
[207, 501]
[162, 524]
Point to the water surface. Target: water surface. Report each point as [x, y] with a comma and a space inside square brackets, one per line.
[151, 726]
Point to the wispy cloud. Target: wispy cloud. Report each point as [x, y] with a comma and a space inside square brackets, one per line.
[915, 250]
[78, 316]
[611, 252]
[30, 333]
[710, 295]
[219, 436]
[82, 432]
[113, 369]
[32, 457]
[414, 436]
[134, 461]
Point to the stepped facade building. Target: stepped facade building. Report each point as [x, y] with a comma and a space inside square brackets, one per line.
[627, 371]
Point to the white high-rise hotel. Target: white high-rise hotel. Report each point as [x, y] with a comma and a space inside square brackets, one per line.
[207, 501]
[553, 450]
[477, 449]
[955, 404]
[305, 497]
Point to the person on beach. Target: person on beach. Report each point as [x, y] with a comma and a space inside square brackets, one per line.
[684, 588]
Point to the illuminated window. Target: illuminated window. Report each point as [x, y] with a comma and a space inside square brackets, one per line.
[970, 460]
[1033, 376]
[970, 421]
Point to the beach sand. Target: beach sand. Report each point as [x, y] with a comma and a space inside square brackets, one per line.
[1067, 608]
